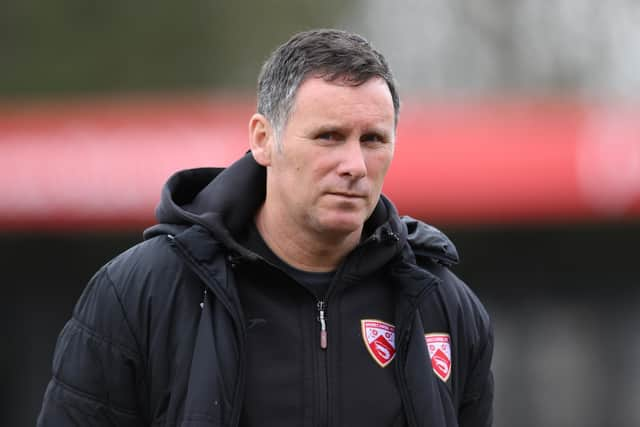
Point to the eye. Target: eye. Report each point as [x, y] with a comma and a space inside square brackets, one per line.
[329, 136]
[372, 138]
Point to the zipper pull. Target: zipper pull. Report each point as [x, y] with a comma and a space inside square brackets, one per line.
[204, 299]
[322, 307]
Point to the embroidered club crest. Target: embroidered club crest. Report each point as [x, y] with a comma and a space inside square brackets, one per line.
[439, 346]
[379, 338]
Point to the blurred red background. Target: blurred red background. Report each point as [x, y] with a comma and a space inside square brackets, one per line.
[101, 164]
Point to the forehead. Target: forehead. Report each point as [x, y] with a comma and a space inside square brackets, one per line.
[368, 103]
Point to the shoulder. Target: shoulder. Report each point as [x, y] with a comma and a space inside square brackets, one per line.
[435, 253]
[131, 286]
[150, 275]
[461, 303]
[127, 276]
[140, 264]
[454, 306]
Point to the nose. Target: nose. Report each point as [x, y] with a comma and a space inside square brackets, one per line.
[352, 162]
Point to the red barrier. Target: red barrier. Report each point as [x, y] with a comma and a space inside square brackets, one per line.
[96, 165]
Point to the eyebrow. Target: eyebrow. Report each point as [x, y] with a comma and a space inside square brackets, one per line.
[342, 129]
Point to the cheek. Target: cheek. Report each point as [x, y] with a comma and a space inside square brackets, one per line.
[305, 181]
[320, 169]
[378, 164]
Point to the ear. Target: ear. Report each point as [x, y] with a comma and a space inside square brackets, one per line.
[261, 139]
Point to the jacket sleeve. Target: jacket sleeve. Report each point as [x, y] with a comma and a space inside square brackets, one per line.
[476, 409]
[96, 364]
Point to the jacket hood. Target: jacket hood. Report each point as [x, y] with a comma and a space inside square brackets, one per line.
[427, 241]
[224, 201]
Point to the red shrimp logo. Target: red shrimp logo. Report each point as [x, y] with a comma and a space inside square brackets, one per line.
[439, 346]
[379, 339]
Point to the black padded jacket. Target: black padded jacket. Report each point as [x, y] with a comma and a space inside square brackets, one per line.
[158, 337]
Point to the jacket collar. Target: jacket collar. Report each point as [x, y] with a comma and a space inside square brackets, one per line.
[223, 201]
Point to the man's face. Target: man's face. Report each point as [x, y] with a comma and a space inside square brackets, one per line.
[335, 151]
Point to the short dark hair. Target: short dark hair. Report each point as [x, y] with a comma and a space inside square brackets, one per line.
[326, 53]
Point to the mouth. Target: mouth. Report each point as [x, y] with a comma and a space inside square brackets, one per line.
[348, 195]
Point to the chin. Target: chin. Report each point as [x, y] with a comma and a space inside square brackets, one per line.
[343, 224]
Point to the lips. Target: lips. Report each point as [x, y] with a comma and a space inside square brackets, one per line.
[348, 195]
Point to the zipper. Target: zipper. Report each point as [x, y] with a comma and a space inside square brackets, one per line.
[322, 318]
[321, 305]
[323, 366]
[323, 415]
[320, 413]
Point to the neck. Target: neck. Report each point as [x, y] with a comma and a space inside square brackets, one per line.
[300, 247]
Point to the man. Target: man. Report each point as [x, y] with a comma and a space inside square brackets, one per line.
[284, 290]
